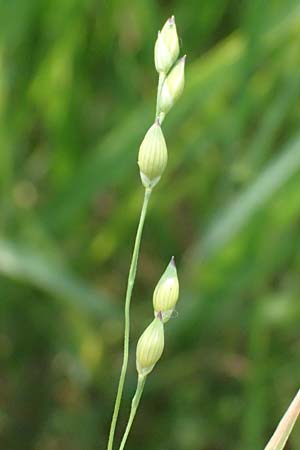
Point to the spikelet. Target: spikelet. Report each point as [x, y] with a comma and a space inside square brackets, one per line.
[166, 48]
[166, 292]
[150, 347]
[153, 156]
[172, 87]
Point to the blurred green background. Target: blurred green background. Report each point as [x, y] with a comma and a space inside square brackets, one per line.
[77, 94]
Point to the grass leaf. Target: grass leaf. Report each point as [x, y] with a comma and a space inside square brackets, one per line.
[235, 216]
[23, 264]
[285, 427]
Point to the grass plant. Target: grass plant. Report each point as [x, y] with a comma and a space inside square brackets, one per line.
[152, 161]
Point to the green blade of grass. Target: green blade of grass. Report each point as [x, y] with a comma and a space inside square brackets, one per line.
[235, 216]
[28, 266]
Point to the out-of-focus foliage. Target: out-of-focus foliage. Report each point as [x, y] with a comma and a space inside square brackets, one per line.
[77, 86]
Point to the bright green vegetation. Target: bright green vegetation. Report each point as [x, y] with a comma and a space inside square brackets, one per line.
[76, 97]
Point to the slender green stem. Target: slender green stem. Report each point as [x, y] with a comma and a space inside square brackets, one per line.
[161, 80]
[130, 284]
[134, 406]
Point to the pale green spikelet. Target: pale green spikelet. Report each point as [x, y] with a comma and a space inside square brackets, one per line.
[166, 48]
[166, 292]
[150, 347]
[153, 156]
[172, 87]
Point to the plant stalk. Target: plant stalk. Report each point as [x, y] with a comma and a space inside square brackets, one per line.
[285, 427]
[134, 406]
[130, 284]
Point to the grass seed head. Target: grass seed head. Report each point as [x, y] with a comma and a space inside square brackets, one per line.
[150, 347]
[166, 48]
[166, 292]
[153, 156]
[173, 86]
